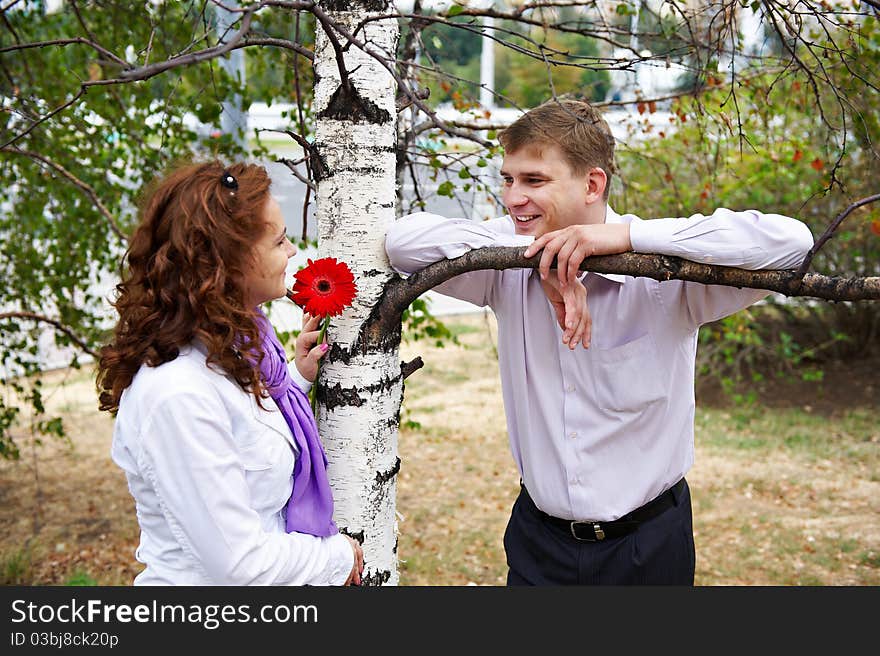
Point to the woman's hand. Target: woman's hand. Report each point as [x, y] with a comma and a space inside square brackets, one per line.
[358, 567]
[572, 312]
[308, 351]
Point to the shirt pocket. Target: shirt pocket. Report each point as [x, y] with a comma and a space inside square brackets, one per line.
[268, 468]
[627, 377]
[256, 455]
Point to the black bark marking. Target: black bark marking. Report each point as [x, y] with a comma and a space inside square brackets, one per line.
[375, 579]
[337, 395]
[354, 535]
[365, 171]
[347, 104]
[351, 5]
[384, 477]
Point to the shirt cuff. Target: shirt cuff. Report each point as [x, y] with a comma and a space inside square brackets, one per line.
[651, 236]
[302, 383]
[341, 559]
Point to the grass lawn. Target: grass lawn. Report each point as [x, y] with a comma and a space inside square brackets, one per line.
[783, 495]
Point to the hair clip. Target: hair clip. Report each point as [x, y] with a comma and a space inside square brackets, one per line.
[229, 181]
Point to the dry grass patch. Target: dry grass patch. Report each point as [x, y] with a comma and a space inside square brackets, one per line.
[782, 496]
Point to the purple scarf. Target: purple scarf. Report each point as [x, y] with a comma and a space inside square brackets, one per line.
[310, 508]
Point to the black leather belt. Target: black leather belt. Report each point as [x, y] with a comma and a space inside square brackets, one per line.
[588, 531]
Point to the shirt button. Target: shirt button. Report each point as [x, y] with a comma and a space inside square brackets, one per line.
[569, 388]
[572, 435]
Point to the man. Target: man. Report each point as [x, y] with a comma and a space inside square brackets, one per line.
[602, 436]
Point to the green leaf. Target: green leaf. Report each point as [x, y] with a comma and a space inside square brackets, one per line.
[454, 10]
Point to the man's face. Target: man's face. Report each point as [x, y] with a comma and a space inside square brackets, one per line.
[541, 192]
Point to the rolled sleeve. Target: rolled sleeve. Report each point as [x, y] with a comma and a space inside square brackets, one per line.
[302, 383]
[748, 240]
[417, 240]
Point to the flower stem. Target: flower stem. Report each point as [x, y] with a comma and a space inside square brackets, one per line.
[313, 393]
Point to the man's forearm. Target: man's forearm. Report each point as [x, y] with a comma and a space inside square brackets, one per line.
[748, 240]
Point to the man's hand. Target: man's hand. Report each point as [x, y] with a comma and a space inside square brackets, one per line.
[572, 244]
[572, 312]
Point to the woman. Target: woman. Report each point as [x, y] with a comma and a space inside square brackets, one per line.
[216, 439]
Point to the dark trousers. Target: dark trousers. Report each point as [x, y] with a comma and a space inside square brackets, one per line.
[659, 552]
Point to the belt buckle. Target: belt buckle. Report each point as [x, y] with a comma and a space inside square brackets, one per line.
[596, 527]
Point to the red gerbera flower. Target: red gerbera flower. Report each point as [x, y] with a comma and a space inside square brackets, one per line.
[324, 288]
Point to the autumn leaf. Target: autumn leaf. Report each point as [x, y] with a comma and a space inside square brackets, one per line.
[875, 227]
[652, 106]
[817, 164]
[798, 155]
[641, 107]
[95, 72]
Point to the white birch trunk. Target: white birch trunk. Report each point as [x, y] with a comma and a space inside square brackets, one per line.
[355, 205]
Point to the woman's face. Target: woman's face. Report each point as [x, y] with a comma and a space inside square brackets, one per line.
[265, 281]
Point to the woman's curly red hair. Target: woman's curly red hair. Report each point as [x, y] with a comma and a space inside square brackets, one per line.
[184, 278]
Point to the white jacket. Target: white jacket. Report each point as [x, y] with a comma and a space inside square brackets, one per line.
[211, 473]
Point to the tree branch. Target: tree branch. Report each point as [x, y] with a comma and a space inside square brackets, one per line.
[401, 292]
[64, 42]
[151, 70]
[829, 231]
[33, 316]
[86, 188]
[385, 60]
[407, 369]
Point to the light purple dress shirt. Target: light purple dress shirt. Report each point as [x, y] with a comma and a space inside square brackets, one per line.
[598, 432]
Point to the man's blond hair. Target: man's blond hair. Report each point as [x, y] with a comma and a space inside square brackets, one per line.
[575, 126]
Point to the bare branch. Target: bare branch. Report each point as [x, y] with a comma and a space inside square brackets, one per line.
[66, 42]
[277, 43]
[33, 316]
[83, 186]
[386, 62]
[299, 176]
[659, 267]
[151, 70]
[407, 369]
[829, 231]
